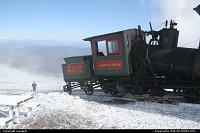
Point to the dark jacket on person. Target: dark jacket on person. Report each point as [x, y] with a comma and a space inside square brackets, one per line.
[34, 86]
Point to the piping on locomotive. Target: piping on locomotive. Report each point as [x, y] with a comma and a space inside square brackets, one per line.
[123, 62]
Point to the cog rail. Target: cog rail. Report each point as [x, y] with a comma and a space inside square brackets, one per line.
[167, 99]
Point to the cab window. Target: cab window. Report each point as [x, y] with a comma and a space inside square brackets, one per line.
[113, 47]
[108, 47]
[101, 48]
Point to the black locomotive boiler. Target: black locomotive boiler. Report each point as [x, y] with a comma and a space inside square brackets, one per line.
[124, 62]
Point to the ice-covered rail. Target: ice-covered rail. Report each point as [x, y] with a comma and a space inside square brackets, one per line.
[13, 103]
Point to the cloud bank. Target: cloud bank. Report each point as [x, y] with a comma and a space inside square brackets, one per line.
[12, 74]
[181, 11]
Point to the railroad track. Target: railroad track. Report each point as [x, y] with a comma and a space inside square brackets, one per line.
[167, 99]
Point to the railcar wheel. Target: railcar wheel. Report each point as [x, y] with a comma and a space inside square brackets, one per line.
[104, 88]
[116, 94]
[83, 87]
[67, 89]
[136, 90]
[192, 95]
[89, 90]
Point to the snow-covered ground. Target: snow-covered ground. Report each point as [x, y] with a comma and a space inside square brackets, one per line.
[59, 110]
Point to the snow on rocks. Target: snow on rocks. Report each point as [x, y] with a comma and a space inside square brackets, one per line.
[59, 110]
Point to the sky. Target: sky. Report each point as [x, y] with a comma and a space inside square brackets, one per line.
[74, 20]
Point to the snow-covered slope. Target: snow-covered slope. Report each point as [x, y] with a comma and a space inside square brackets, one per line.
[62, 111]
[58, 110]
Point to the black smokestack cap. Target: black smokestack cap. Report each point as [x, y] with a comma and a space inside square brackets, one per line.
[197, 9]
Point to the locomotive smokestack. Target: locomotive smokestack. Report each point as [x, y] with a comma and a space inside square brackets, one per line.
[197, 9]
[169, 36]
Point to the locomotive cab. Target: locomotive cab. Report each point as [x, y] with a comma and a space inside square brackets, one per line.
[111, 53]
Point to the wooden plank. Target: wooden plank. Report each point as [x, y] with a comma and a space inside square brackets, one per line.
[7, 122]
[25, 100]
[31, 104]
[3, 113]
[13, 100]
[4, 121]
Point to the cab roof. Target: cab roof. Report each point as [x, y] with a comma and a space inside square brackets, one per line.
[98, 36]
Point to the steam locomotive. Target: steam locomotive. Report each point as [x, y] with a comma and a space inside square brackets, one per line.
[124, 62]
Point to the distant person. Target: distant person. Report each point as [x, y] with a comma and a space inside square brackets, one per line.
[34, 86]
